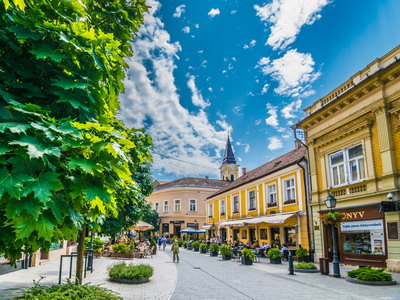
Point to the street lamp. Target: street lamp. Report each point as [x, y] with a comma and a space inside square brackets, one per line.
[330, 203]
[195, 227]
[90, 258]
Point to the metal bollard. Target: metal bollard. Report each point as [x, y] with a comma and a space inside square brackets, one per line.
[291, 269]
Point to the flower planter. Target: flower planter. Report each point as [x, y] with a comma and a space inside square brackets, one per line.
[212, 253]
[196, 249]
[358, 281]
[185, 246]
[306, 270]
[276, 261]
[130, 281]
[303, 258]
[122, 255]
[226, 257]
[97, 254]
[204, 251]
[246, 260]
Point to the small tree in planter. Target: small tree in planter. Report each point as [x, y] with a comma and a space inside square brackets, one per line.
[196, 246]
[122, 250]
[180, 242]
[214, 247]
[275, 256]
[203, 248]
[247, 256]
[97, 245]
[302, 255]
[184, 244]
[226, 252]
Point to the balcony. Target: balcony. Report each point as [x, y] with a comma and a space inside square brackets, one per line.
[349, 190]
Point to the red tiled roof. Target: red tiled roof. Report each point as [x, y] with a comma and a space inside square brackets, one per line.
[193, 182]
[272, 166]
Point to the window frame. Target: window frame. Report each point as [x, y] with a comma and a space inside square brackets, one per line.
[165, 210]
[269, 204]
[156, 207]
[222, 212]
[250, 199]
[180, 206]
[233, 204]
[210, 210]
[195, 205]
[285, 189]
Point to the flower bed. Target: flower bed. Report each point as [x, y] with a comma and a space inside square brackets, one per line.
[305, 267]
[132, 274]
[369, 276]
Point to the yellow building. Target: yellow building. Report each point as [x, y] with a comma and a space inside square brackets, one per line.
[353, 136]
[266, 204]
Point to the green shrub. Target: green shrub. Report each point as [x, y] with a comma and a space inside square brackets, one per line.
[184, 243]
[274, 253]
[68, 291]
[124, 271]
[369, 274]
[180, 242]
[203, 246]
[214, 247]
[195, 245]
[121, 248]
[97, 244]
[248, 253]
[305, 265]
[225, 250]
[301, 252]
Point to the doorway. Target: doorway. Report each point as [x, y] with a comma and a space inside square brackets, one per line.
[177, 228]
[328, 242]
[275, 236]
[223, 234]
[252, 235]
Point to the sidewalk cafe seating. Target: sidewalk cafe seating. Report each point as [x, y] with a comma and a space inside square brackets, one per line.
[257, 255]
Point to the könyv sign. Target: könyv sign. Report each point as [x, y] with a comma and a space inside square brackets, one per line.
[362, 225]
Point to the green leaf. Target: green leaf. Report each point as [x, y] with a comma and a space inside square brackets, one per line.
[97, 60]
[3, 149]
[68, 84]
[16, 208]
[47, 132]
[23, 33]
[43, 186]
[24, 227]
[35, 148]
[14, 127]
[85, 165]
[91, 192]
[75, 100]
[45, 228]
[76, 217]
[45, 51]
[12, 183]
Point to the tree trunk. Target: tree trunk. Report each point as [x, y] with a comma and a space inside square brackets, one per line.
[79, 259]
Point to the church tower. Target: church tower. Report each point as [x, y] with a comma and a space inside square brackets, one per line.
[229, 169]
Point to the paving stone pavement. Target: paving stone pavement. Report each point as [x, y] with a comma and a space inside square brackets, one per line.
[203, 277]
[160, 286]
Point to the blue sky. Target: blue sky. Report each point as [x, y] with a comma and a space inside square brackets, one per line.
[203, 68]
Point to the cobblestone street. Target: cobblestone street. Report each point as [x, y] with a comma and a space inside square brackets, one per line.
[203, 277]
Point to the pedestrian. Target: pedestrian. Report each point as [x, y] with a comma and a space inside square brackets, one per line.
[175, 251]
[164, 242]
[159, 242]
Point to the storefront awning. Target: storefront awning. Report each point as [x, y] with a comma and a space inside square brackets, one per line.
[271, 219]
[232, 223]
[206, 227]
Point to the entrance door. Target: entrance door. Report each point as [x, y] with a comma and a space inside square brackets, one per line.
[328, 242]
[177, 228]
[276, 236]
[235, 235]
[252, 235]
[223, 234]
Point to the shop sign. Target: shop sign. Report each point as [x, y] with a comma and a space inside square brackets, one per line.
[362, 225]
[177, 222]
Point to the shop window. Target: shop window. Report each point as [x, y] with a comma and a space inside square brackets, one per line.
[210, 210]
[165, 206]
[156, 206]
[347, 166]
[271, 195]
[289, 187]
[244, 234]
[236, 234]
[192, 205]
[252, 200]
[263, 234]
[222, 207]
[275, 236]
[177, 205]
[290, 236]
[165, 228]
[235, 204]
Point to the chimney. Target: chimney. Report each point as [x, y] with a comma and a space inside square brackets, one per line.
[206, 177]
[297, 144]
[243, 171]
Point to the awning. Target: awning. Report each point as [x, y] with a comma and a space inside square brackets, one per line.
[141, 226]
[271, 219]
[188, 230]
[206, 227]
[232, 223]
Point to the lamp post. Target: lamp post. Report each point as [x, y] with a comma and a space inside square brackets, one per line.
[330, 203]
[195, 227]
[90, 258]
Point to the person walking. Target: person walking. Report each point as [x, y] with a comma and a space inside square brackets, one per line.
[159, 242]
[164, 242]
[175, 251]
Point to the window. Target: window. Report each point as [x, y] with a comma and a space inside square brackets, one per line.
[252, 200]
[347, 166]
[271, 195]
[290, 236]
[156, 206]
[192, 205]
[290, 191]
[244, 234]
[177, 206]
[210, 210]
[165, 206]
[222, 207]
[263, 234]
[235, 204]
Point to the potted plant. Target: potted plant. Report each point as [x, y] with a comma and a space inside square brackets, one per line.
[97, 246]
[184, 244]
[247, 256]
[214, 247]
[275, 256]
[226, 252]
[369, 276]
[203, 248]
[189, 245]
[305, 267]
[302, 255]
[132, 274]
[332, 218]
[122, 250]
[195, 246]
[180, 242]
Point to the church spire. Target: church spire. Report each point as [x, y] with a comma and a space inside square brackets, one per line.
[229, 169]
[229, 157]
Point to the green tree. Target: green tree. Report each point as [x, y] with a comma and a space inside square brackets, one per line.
[65, 160]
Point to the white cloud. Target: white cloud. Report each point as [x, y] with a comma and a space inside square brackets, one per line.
[197, 26]
[246, 148]
[253, 43]
[237, 110]
[151, 100]
[265, 89]
[186, 29]
[245, 46]
[204, 63]
[200, 51]
[234, 58]
[275, 143]
[289, 110]
[179, 11]
[272, 120]
[233, 12]
[250, 94]
[294, 73]
[286, 17]
[210, 89]
[213, 12]
[197, 98]
[258, 122]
